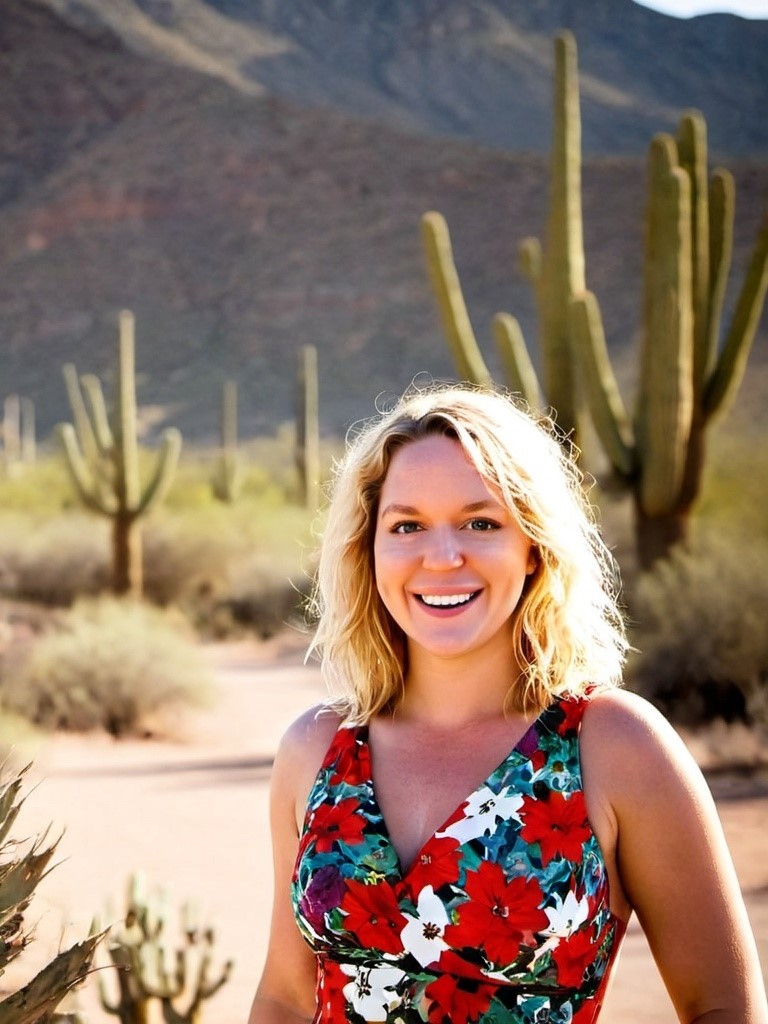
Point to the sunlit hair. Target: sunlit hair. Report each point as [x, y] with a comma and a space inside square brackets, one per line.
[568, 631]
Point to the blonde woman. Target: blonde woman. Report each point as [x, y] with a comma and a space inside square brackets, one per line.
[463, 833]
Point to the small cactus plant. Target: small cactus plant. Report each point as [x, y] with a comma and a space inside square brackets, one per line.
[20, 873]
[227, 479]
[137, 949]
[102, 455]
[307, 428]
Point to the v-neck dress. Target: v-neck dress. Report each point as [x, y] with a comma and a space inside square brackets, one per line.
[503, 918]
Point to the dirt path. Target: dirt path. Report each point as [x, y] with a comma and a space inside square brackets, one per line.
[192, 815]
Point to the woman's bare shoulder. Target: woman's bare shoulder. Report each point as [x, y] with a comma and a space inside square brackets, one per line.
[310, 734]
[628, 740]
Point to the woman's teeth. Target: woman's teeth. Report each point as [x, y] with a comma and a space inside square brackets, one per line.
[446, 600]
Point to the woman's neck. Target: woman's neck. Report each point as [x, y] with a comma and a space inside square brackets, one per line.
[452, 692]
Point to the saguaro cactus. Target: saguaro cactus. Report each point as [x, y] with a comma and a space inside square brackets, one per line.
[20, 873]
[307, 428]
[686, 379]
[102, 455]
[227, 478]
[556, 270]
[137, 949]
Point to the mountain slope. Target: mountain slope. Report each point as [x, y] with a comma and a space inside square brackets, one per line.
[475, 69]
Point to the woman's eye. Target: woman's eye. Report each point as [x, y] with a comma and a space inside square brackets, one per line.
[408, 527]
[482, 525]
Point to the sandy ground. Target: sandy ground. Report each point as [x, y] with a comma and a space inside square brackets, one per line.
[192, 815]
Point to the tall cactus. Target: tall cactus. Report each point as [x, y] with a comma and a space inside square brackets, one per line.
[556, 270]
[686, 378]
[102, 456]
[227, 479]
[307, 453]
[137, 949]
[20, 873]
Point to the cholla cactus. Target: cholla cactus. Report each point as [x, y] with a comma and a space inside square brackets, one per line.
[19, 877]
[146, 974]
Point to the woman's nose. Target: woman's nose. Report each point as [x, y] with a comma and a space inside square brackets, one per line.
[442, 549]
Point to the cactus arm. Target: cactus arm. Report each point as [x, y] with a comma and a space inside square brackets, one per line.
[692, 158]
[666, 392]
[722, 203]
[609, 414]
[450, 300]
[529, 258]
[729, 371]
[97, 415]
[127, 448]
[82, 421]
[83, 479]
[165, 468]
[516, 361]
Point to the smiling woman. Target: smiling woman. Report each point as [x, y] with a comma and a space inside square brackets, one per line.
[463, 833]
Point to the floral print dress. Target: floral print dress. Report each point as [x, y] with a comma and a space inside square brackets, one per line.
[502, 919]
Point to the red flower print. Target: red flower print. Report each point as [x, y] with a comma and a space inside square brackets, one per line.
[374, 916]
[573, 711]
[350, 766]
[498, 915]
[437, 864]
[458, 994]
[558, 824]
[573, 955]
[332, 822]
[330, 990]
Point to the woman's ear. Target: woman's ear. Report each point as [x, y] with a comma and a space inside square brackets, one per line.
[533, 561]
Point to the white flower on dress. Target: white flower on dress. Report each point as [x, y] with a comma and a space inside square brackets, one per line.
[567, 914]
[481, 812]
[423, 935]
[372, 991]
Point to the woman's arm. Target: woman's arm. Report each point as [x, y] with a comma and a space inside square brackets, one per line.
[286, 992]
[674, 863]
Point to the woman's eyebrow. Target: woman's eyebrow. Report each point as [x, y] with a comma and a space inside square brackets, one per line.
[409, 510]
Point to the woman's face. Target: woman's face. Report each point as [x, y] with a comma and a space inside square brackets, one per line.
[449, 558]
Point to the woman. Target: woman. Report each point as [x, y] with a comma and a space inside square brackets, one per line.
[467, 616]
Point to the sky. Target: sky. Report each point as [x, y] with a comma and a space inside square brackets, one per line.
[688, 8]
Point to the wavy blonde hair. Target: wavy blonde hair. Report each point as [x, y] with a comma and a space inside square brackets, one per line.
[568, 631]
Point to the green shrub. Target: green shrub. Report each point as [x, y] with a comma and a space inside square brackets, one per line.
[700, 632]
[110, 664]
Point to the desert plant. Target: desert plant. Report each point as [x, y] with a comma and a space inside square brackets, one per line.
[20, 872]
[110, 663]
[137, 949]
[102, 455]
[556, 271]
[227, 479]
[686, 378]
[700, 631]
[307, 453]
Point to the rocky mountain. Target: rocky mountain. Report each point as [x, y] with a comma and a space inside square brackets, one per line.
[199, 179]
